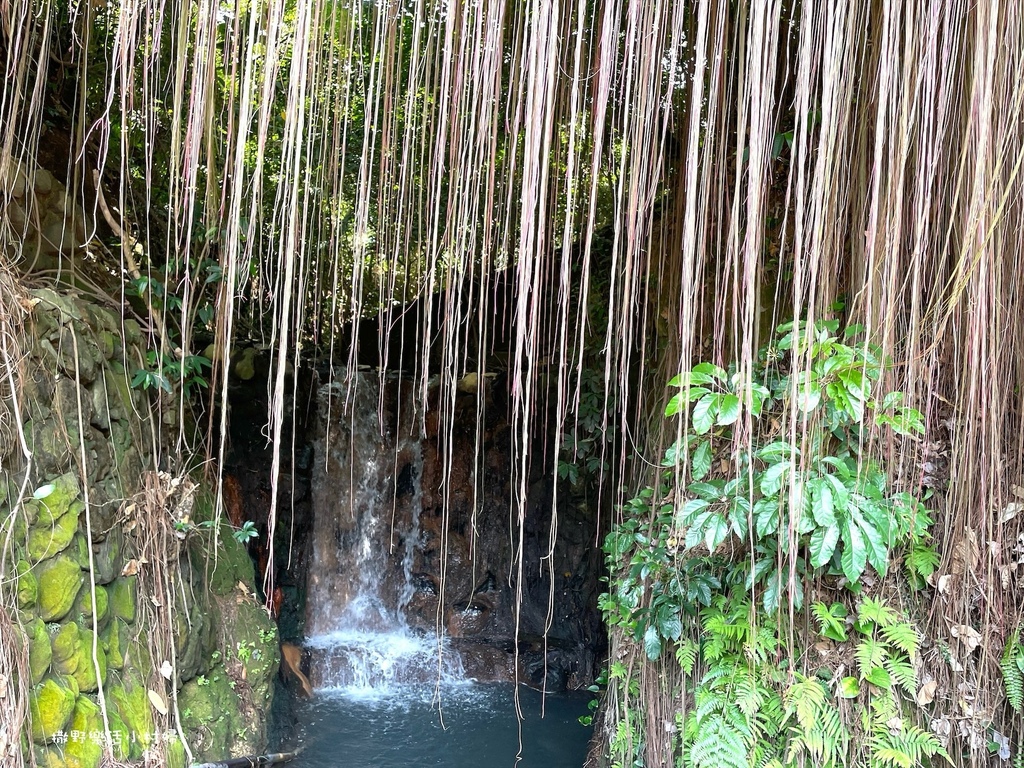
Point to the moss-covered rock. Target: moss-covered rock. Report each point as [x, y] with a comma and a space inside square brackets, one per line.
[59, 582]
[64, 648]
[131, 703]
[123, 597]
[47, 539]
[108, 556]
[85, 669]
[210, 710]
[28, 585]
[231, 565]
[51, 704]
[176, 757]
[39, 650]
[83, 605]
[115, 642]
[79, 551]
[56, 496]
[84, 750]
[193, 637]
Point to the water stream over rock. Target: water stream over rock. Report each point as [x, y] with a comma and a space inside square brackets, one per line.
[365, 539]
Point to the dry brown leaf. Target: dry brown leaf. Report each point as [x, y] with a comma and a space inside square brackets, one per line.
[966, 553]
[130, 568]
[158, 702]
[926, 693]
[966, 634]
[1011, 511]
[944, 583]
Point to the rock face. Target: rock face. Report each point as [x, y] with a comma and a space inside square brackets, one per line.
[49, 224]
[442, 550]
[97, 603]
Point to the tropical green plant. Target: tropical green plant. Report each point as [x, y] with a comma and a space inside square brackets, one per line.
[1012, 666]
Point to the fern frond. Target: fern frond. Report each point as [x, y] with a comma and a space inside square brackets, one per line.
[870, 653]
[903, 636]
[717, 745]
[903, 672]
[905, 749]
[1012, 666]
[805, 698]
[686, 654]
[876, 612]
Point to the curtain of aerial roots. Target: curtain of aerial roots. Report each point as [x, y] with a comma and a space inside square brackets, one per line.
[352, 158]
[903, 196]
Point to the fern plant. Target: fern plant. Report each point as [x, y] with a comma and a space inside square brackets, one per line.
[1012, 666]
[894, 743]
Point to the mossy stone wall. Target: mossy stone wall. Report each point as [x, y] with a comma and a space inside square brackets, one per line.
[73, 580]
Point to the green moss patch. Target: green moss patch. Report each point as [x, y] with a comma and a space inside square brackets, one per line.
[83, 606]
[55, 497]
[123, 596]
[131, 703]
[39, 651]
[47, 539]
[59, 582]
[51, 704]
[28, 585]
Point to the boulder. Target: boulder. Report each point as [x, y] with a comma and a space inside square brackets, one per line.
[59, 581]
[123, 596]
[45, 541]
[39, 651]
[51, 704]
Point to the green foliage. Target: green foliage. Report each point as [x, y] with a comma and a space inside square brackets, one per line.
[247, 532]
[801, 506]
[796, 505]
[162, 372]
[1012, 666]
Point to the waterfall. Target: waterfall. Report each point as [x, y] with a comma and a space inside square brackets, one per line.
[367, 505]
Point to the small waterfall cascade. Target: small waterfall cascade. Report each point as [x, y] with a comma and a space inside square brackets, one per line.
[367, 500]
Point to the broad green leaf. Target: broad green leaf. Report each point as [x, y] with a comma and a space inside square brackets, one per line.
[772, 592]
[761, 567]
[709, 369]
[652, 643]
[704, 413]
[766, 517]
[695, 533]
[771, 478]
[824, 511]
[675, 403]
[717, 532]
[671, 627]
[691, 509]
[823, 544]
[808, 396]
[855, 554]
[880, 677]
[849, 688]
[728, 410]
[700, 463]
[840, 493]
[775, 450]
[877, 553]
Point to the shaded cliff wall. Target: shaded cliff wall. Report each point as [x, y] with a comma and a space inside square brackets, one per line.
[450, 520]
